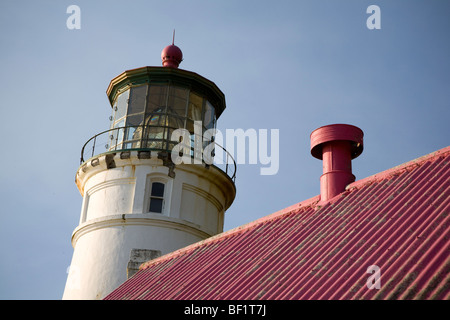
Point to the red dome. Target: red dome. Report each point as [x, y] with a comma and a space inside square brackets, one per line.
[171, 56]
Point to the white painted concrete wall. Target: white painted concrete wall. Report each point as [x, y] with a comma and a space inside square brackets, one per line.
[115, 218]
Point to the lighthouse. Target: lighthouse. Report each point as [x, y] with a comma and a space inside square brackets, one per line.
[138, 203]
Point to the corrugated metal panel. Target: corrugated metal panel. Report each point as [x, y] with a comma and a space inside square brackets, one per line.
[397, 220]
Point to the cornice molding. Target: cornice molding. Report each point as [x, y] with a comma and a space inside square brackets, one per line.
[147, 219]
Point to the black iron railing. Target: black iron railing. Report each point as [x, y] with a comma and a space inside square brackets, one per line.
[150, 138]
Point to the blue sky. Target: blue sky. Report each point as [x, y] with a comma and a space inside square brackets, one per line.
[287, 65]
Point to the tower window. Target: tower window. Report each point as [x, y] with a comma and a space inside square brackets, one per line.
[157, 197]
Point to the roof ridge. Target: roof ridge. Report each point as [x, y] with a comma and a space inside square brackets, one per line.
[394, 171]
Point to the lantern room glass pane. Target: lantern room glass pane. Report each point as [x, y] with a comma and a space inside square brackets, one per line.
[119, 138]
[154, 137]
[157, 98]
[122, 104]
[119, 124]
[155, 120]
[135, 120]
[120, 107]
[174, 122]
[190, 126]
[195, 107]
[154, 133]
[137, 100]
[177, 101]
[133, 133]
[209, 117]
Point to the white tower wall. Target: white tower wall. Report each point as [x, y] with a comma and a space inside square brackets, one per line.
[115, 217]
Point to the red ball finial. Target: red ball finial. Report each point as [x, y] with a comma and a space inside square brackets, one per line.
[171, 55]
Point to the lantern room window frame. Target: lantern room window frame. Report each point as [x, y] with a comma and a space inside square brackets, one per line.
[137, 122]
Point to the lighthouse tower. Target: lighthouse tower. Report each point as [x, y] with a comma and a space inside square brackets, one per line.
[138, 201]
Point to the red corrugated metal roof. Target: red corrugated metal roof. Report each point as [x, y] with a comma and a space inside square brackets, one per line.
[397, 220]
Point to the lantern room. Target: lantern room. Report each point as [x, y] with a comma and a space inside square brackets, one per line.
[145, 115]
[150, 103]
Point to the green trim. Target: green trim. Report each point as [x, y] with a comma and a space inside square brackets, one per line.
[180, 77]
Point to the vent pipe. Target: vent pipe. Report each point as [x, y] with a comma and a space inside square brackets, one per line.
[336, 145]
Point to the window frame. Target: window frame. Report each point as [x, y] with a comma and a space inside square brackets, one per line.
[167, 182]
[156, 197]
